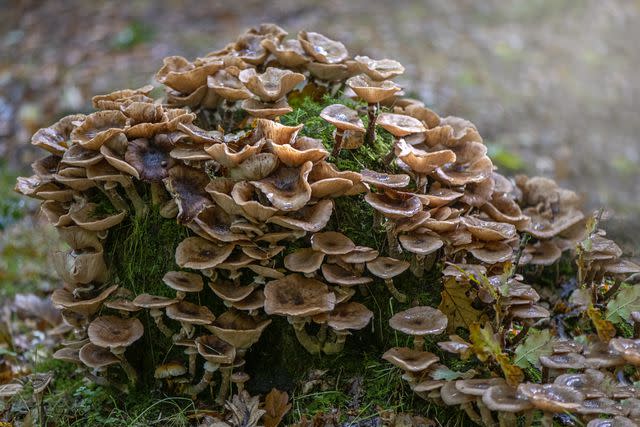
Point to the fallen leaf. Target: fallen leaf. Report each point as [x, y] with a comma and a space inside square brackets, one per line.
[245, 411]
[537, 343]
[456, 305]
[604, 328]
[276, 405]
[626, 301]
[486, 345]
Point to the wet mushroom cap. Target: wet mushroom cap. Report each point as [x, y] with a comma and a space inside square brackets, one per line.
[503, 398]
[342, 117]
[350, 315]
[550, 397]
[215, 350]
[332, 243]
[183, 281]
[421, 320]
[296, 295]
[152, 301]
[387, 267]
[97, 357]
[113, 331]
[409, 359]
[169, 370]
[190, 313]
[400, 125]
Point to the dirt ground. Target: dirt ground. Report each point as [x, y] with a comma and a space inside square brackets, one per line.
[552, 85]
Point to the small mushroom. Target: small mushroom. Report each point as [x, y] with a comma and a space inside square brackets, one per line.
[155, 304]
[345, 317]
[387, 268]
[344, 119]
[189, 315]
[183, 282]
[419, 322]
[550, 399]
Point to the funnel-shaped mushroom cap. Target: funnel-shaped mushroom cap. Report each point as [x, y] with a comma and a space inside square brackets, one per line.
[456, 175]
[187, 186]
[420, 244]
[227, 85]
[322, 48]
[342, 117]
[550, 397]
[296, 295]
[239, 329]
[69, 354]
[297, 156]
[359, 255]
[418, 321]
[266, 110]
[80, 266]
[394, 204]
[254, 301]
[380, 179]
[181, 75]
[232, 154]
[329, 72]
[122, 305]
[150, 159]
[409, 359]
[400, 125]
[113, 331]
[338, 275]
[310, 218]
[220, 190]
[288, 53]
[64, 299]
[332, 243]
[199, 254]
[256, 167]
[89, 218]
[529, 311]
[493, 252]
[244, 194]
[545, 227]
[190, 313]
[563, 361]
[502, 398]
[420, 161]
[229, 291]
[488, 231]
[152, 301]
[97, 128]
[349, 316]
[387, 267]
[304, 260]
[542, 252]
[215, 350]
[124, 97]
[381, 69]
[183, 281]
[287, 189]
[55, 138]
[478, 386]
[272, 85]
[372, 91]
[97, 357]
[76, 155]
[277, 133]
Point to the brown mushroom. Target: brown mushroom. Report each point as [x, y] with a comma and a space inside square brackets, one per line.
[344, 119]
[387, 268]
[419, 322]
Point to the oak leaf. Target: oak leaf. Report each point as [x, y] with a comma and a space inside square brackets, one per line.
[456, 305]
[536, 344]
[276, 405]
[626, 301]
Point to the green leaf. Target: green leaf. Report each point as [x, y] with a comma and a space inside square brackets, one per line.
[626, 301]
[444, 373]
[536, 344]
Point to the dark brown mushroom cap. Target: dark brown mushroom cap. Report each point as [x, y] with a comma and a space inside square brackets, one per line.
[394, 204]
[342, 117]
[152, 301]
[419, 321]
[399, 125]
[97, 357]
[215, 350]
[296, 295]
[420, 244]
[380, 69]
[550, 397]
[387, 267]
[349, 316]
[183, 281]
[409, 359]
[332, 243]
[113, 331]
[187, 186]
[372, 91]
[272, 85]
[503, 398]
[198, 253]
[322, 48]
[598, 356]
[150, 158]
[334, 273]
[304, 260]
[380, 179]
[190, 313]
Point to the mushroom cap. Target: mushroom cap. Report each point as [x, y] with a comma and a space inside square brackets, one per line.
[296, 295]
[529, 311]
[419, 321]
[122, 304]
[360, 254]
[394, 204]
[65, 299]
[89, 218]
[342, 117]
[96, 357]
[183, 281]
[238, 329]
[489, 231]
[349, 316]
[271, 85]
[550, 397]
[169, 370]
[372, 91]
[97, 128]
[114, 331]
[198, 253]
[420, 244]
[503, 398]
[229, 291]
[380, 69]
[304, 260]
[409, 359]
[339, 275]
[611, 422]
[152, 301]
[289, 53]
[387, 267]
[266, 110]
[190, 313]
[399, 125]
[629, 349]
[332, 243]
[55, 138]
[310, 218]
[478, 386]
[150, 158]
[215, 349]
[287, 189]
[563, 361]
[322, 48]
[68, 354]
[493, 254]
[380, 179]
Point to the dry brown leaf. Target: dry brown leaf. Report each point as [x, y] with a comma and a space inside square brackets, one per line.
[276, 405]
[456, 305]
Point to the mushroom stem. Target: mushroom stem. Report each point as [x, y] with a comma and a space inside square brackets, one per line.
[417, 265]
[138, 204]
[205, 381]
[485, 413]
[418, 342]
[310, 344]
[128, 369]
[528, 418]
[392, 242]
[547, 419]
[322, 334]
[394, 291]
[116, 199]
[467, 407]
[224, 385]
[507, 419]
[156, 193]
[335, 347]
[157, 318]
[338, 143]
[370, 136]
[192, 364]
[636, 330]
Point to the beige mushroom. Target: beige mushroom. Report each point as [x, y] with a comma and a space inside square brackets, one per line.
[344, 119]
[183, 282]
[387, 268]
[419, 322]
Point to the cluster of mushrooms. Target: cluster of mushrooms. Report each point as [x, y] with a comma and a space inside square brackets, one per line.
[257, 198]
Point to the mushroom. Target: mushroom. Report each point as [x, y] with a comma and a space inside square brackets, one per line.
[304, 260]
[169, 370]
[155, 304]
[344, 119]
[183, 282]
[550, 399]
[55, 138]
[116, 334]
[272, 85]
[331, 243]
[238, 329]
[503, 399]
[189, 315]
[200, 254]
[343, 318]
[419, 322]
[387, 268]
[451, 396]
[322, 48]
[216, 352]
[381, 69]
[97, 358]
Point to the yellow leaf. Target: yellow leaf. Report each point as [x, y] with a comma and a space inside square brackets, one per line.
[512, 373]
[276, 406]
[485, 343]
[456, 304]
[604, 328]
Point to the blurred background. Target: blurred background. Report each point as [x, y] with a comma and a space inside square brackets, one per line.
[552, 85]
